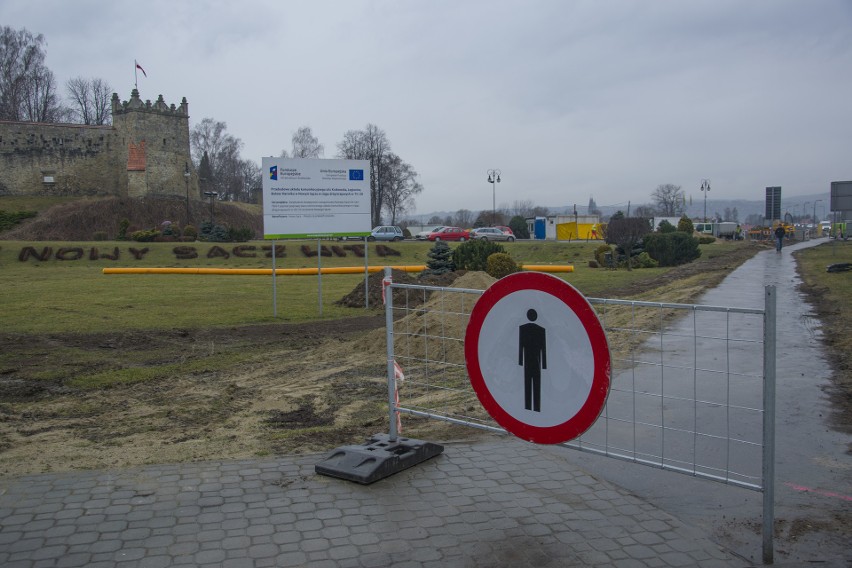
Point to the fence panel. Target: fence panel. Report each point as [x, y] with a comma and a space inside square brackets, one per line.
[692, 387]
[687, 381]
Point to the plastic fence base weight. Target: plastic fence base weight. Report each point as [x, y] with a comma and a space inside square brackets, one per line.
[376, 459]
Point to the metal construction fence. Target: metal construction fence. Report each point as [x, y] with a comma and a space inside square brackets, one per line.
[692, 388]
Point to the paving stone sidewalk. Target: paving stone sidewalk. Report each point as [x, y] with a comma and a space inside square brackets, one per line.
[493, 503]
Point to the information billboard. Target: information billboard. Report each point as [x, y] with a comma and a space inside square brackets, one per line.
[773, 203]
[315, 198]
[841, 196]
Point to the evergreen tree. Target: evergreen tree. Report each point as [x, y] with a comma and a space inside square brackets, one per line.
[440, 259]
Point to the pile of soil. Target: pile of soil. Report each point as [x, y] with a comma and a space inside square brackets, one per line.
[356, 298]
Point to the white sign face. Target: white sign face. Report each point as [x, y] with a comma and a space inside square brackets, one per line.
[566, 378]
[313, 198]
[538, 358]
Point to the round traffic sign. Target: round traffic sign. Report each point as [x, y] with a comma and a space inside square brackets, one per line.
[538, 358]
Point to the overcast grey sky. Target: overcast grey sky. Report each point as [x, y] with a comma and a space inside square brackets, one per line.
[569, 99]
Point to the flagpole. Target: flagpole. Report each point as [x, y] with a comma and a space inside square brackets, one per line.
[135, 78]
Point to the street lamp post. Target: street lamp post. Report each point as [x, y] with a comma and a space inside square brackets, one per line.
[186, 175]
[705, 189]
[212, 195]
[493, 179]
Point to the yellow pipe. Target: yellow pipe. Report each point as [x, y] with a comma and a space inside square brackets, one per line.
[549, 267]
[261, 271]
[304, 271]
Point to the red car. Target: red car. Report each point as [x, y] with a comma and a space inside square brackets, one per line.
[449, 234]
[507, 230]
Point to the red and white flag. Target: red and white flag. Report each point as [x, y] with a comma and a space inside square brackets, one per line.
[140, 68]
[397, 372]
[399, 377]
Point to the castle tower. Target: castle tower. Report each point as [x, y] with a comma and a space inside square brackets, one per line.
[154, 148]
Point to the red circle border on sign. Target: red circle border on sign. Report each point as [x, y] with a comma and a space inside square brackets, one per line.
[576, 302]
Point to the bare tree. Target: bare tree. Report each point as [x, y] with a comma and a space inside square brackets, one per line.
[305, 145]
[463, 218]
[21, 56]
[27, 87]
[646, 211]
[41, 103]
[90, 99]
[400, 185]
[670, 199]
[368, 144]
[523, 207]
[210, 137]
[626, 232]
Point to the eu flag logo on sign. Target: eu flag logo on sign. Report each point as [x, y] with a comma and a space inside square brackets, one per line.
[273, 172]
[356, 175]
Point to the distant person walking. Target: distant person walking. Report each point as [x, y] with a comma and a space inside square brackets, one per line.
[779, 237]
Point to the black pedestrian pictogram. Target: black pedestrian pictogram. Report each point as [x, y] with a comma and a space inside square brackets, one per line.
[532, 354]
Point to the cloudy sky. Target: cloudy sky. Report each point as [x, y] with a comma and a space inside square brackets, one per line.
[569, 99]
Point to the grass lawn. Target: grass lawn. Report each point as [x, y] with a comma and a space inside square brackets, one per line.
[73, 295]
[831, 295]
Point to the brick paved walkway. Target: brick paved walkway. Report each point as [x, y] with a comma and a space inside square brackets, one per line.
[499, 502]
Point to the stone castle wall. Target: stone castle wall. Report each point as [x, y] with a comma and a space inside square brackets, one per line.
[144, 153]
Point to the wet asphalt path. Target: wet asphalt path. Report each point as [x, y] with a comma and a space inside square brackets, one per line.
[813, 486]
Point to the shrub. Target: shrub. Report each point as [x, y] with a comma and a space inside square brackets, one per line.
[473, 255]
[594, 264]
[406, 233]
[518, 224]
[440, 259]
[240, 235]
[9, 219]
[666, 227]
[99, 236]
[706, 240]
[145, 236]
[190, 231]
[501, 264]
[685, 225]
[600, 254]
[213, 233]
[644, 260]
[672, 249]
[122, 230]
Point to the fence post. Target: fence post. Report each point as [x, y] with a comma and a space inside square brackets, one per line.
[388, 297]
[769, 354]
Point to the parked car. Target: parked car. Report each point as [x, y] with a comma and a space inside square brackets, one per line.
[491, 234]
[507, 230]
[386, 233]
[423, 235]
[449, 234]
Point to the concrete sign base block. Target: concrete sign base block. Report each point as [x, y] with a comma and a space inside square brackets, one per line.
[377, 458]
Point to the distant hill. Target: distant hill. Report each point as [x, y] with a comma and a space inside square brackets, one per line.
[793, 204]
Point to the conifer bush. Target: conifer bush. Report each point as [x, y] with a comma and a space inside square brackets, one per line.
[473, 255]
[440, 259]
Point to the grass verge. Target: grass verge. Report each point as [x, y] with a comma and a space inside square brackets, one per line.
[831, 295]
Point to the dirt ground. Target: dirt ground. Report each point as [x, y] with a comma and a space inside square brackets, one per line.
[226, 393]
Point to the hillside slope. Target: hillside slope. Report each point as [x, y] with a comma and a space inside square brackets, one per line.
[79, 220]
